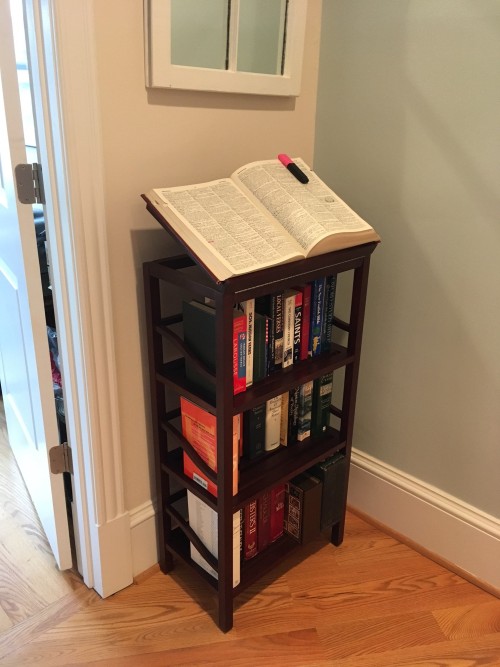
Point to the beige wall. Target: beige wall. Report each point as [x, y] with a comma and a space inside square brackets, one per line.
[166, 137]
[408, 132]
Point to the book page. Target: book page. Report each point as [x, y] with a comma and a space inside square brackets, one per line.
[309, 212]
[219, 217]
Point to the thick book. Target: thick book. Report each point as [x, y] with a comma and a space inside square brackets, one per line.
[199, 427]
[250, 548]
[303, 497]
[200, 337]
[204, 521]
[273, 423]
[306, 321]
[333, 473]
[254, 431]
[261, 216]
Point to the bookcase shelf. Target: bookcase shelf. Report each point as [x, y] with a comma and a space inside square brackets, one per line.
[172, 279]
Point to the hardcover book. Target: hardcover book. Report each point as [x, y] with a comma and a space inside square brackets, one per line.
[305, 410]
[261, 216]
[250, 548]
[200, 337]
[199, 427]
[263, 521]
[203, 520]
[321, 401]
[303, 507]
[277, 512]
[254, 431]
[273, 423]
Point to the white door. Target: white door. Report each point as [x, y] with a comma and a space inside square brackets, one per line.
[25, 371]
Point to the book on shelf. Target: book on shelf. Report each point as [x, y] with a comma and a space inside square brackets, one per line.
[263, 521]
[254, 431]
[250, 548]
[248, 307]
[260, 346]
[288, 326]
[199, 427]
[297, 326]
[305, 410]
[276, 527]
[204, 521]
[333, 473]
[271, 305]
[327, 327]
[261, 216]
[273, 423]
[317, 315]
[293, 414]
[306, 320]
[200, 337]
[285, 417]
[321, 401]
[303, 497]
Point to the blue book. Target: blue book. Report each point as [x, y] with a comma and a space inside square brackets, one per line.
[317, 314]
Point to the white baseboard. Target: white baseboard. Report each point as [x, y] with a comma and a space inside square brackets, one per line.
[453, 531]
[143, 538]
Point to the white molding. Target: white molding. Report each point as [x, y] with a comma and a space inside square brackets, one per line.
[441, 524]
[102, 521]
[143, 537]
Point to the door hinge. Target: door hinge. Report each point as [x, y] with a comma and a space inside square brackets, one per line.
[60, 459]
[29, 182]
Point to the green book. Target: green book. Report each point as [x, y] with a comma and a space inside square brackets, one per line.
[321, 401]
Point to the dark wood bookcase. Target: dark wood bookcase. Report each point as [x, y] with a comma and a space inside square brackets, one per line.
[168, 280]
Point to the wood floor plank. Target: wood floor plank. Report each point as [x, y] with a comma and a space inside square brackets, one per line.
[469, 621]
[376, 635]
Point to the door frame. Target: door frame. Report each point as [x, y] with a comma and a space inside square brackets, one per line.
[76, 230]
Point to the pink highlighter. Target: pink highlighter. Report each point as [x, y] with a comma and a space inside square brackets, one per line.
[292, 168]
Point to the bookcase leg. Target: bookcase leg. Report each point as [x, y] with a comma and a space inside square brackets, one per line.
[166, 563]
[338, 533]
[225, 617]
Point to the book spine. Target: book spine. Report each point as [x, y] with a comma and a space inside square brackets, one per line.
[327, 331]
[254, 431]
[317, 314]
[277, 512]
[288, 328]
[293, 414]
[263, 521]
[278, 331]
[273, 423]
[250, 530]
[321, 401]
[285, 400]
[239, 354]
[297, 326]
[306, 321]
[292, 511]
[305, 407]
[249, 310]
[259, 347]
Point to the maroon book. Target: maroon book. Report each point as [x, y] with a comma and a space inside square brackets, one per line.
[250, 548]
[277, 512]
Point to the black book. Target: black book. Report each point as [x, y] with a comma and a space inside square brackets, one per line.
[254, 431]
[272, 306]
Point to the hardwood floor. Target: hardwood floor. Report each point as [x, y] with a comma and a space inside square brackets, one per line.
[371, 602]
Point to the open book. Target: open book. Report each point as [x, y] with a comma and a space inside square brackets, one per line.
[261, 216]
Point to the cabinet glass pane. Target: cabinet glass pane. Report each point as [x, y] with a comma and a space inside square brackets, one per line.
[199, 33]
[260, 36]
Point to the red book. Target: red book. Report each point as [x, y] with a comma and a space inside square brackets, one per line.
[240, 353]
[306, 320]
[277, 512]
[263, 521]
[199, 429]
[250, 548]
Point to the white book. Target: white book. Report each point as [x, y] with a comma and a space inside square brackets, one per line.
[249, 310]
[204, 521]
[273, 423]
[288, 326]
